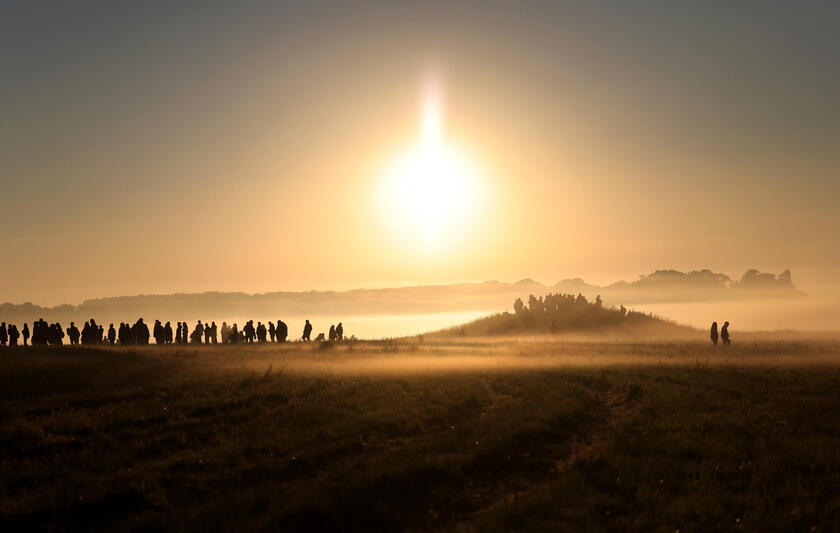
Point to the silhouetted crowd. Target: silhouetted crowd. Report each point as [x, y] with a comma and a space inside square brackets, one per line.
[44, 334]
[551, 309]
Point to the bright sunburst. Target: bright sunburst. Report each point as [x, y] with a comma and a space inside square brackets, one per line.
[431, 190]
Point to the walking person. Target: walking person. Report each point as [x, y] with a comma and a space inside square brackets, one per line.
[724, 334]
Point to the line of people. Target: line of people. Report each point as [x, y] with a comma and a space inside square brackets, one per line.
[44, 334]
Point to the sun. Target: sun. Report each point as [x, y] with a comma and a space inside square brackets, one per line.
[430, 191]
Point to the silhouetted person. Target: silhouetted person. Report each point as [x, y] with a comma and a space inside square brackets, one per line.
[197, 333]
[282, 331]
[320, 338]
[724, 333]
[38, 335]
[249, 331]
[157, 332]
[233, 337]
[112, 334]
[713, 333]
[207, 333]
[332, 333]
[73, 333]
[25, 334]
[13, 335]
[225, 333]
[167, 333]
[86, 333]
[261, 332]
[598, 301]
[140, 332]
[214, 333]
[271, 330]
[4, 334]
[307, 331]
[93, 333]
[339, 332]
[57, 334]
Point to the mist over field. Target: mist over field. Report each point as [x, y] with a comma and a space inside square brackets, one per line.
[756, 302]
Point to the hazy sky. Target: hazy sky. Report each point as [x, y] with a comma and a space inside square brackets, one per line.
[150, 147]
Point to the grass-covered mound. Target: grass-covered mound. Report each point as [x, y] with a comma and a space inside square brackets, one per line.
[567, 314]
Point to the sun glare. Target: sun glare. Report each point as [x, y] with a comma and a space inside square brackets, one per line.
[431, 190]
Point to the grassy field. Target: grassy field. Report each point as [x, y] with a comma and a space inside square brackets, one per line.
[479, 436]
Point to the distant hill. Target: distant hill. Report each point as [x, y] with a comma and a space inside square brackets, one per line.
[693, 286]
[660, 286]
[564, 314]
[486, 296]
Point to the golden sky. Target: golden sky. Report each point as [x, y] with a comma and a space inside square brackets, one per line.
[147, 148]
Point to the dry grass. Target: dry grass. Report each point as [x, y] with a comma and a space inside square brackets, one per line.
[480, 435]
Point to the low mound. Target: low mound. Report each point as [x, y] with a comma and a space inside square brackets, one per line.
[565, 314]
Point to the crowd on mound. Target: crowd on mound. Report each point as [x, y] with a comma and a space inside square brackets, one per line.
[553, 309]
[553, 303]
[44, 334]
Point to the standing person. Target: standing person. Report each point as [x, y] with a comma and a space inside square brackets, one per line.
[214, 333]
[261, 332]
[51, 334]
[249, 331]
[25, 334]
[307, 331]
[282, 331]
[167, 333]
[157, 332]
[225, 333]
[714, 333]
[724, 333]
[339, 332]
[140, 332]
[271, 330]
[4, 334]
[73, 334]
[112, 334]
[13, 335]
[332, 333]
[59, 332]
[93, 332]
[233, 336]
[207, 333]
